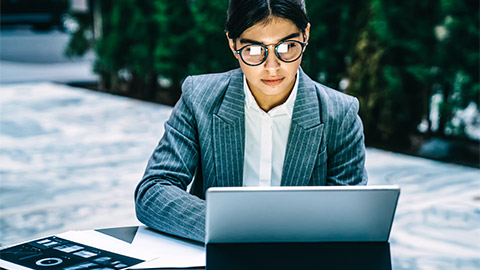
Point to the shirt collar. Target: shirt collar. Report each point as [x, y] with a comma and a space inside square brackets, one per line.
[286, 107]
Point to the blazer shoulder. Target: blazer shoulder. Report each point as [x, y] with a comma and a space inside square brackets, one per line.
[336, 106]
[335, 97]
[328, 96]
[206, 88]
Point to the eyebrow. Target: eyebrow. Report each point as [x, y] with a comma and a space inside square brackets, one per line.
[251, 41]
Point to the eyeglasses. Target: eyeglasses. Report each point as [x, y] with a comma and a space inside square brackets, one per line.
[287, 51]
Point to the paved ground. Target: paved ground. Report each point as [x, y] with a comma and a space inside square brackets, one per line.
[71, 158]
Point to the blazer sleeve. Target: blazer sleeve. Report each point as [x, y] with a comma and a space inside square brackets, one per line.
[161, 199]
[346, 156]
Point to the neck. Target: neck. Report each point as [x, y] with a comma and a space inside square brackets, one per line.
[268, 102]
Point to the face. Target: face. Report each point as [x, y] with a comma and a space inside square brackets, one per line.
[272, 81]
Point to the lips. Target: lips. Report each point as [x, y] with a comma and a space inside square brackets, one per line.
[273, 82]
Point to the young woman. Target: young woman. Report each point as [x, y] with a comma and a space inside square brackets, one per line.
[265, 124]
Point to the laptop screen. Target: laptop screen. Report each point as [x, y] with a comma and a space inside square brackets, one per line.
[300, 214]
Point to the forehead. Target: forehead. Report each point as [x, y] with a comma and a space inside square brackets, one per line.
[270, 30]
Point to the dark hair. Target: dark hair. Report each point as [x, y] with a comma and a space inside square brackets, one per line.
[243, 14]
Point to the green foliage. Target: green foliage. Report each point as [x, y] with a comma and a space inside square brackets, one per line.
[191, 38]
[81, 35]
[173, 44]
[395, 54]
[458, 59]
[419, 48]
[211, 52]
[334, 29]
[127, 43]
[143, 41]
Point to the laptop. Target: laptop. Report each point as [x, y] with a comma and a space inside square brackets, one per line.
[300, 214]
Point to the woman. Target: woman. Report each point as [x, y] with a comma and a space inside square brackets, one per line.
[265, 124]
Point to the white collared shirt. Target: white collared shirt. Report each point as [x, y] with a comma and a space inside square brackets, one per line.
[266, 136]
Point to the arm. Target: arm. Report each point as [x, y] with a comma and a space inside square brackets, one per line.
[161, 200]
[346, 155]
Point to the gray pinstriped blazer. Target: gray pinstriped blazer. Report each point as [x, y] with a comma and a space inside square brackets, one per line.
[204, 140]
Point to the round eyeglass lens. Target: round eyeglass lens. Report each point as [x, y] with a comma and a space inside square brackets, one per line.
[289, 51]
[253, 54]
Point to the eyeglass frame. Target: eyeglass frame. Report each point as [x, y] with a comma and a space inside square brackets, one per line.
[303, 44]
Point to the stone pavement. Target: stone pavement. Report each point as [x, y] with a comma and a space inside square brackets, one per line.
[70, 159]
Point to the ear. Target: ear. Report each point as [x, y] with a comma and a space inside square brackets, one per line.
[231, 44]
[307, 32]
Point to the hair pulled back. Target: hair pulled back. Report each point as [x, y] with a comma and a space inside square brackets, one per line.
[243, 14]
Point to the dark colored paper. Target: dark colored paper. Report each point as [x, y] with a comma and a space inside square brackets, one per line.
[58, 253]
[126, 234]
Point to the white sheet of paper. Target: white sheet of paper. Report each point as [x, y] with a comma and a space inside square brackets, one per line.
[158, 250]
[12, 266]
[170, 251]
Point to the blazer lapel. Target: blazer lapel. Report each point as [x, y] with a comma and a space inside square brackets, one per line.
[229, 134]
[305, 135]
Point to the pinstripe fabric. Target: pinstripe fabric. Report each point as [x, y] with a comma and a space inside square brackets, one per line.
[204, 140]
[228, 135]
[304, 138]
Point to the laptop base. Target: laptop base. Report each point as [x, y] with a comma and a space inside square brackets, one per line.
[277, 256]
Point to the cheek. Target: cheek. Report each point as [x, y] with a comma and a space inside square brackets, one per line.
[293, 68]
[252, 73]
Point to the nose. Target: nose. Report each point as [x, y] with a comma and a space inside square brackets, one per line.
[272, 62]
